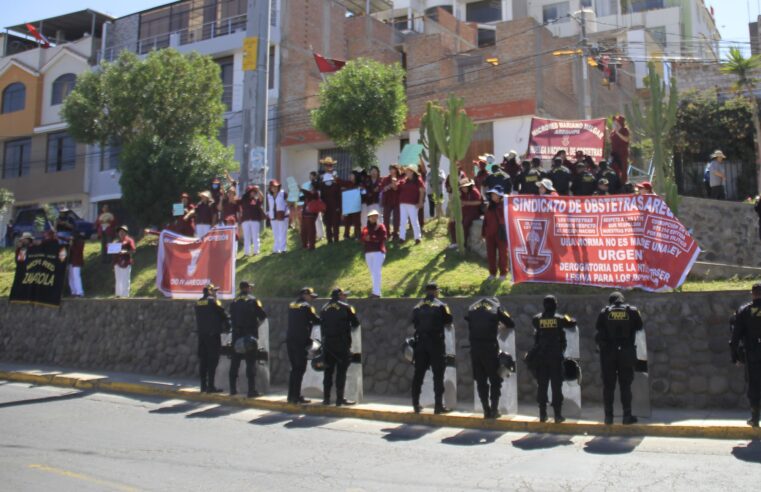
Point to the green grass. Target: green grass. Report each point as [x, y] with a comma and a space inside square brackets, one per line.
[407, 269]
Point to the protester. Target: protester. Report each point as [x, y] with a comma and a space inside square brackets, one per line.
[494, 233]
[9, 234]
[432, 192]
[482, 173]
[619, 143]
[76, 262]
[374, 240]
[717, 177]
[106, 224]
[204, 214]
[645, 188]
[277, 210]
[252, 216]
[309, 212]
[423, 173]
[22, 245]
[123, 262]
[229, 208]
[390, 199]
[546, 188]
[330, 192]
[560, 176]
[184, 224]
[371, 193]
[411, 196]
[354, 219]
[470, 202]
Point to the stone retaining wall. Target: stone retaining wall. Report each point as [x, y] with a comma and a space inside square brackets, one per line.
[687, 341]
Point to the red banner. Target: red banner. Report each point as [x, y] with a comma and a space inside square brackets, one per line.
[547, 137]
[621, 241]
[186, 264]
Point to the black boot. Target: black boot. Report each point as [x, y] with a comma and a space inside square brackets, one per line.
[252, 393]
[233, 386]
[608, 419]
[629, 419]
[559, 419]
[754, 415]
[439, 407]
[326, 395]
[416, 404]
[495, 409]
[542, 413]
[487, 409]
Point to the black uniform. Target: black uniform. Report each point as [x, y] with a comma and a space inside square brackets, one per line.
[338, 319]
[549, 347]
[614, 182]
[499, 178]
[746, 337]
[530, 181]
[617, 325]
[561, 179]
[584, 184]
[211, 321]
[246, 314]
[301, 318]
[483, 321]
[429, 317]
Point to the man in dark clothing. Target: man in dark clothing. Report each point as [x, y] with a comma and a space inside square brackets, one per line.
[211, 320]
[605, 172]
[429, 318]
[338, 320]
[483, 320]
[757, 208]
[746, 349]
[498, 177]
[330, 192]
[531, 178]
[301, 318]
[584, 183]
[617, 326]
[247, 315]
[560, 177]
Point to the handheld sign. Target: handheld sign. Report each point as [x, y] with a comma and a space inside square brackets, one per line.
[178, 210]
[410, 155]
[114, 248]
[351, 201]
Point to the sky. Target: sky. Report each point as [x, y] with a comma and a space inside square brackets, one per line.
[732, 16]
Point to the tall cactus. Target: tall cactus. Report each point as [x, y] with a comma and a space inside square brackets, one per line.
[452, 131]
[655, 123]
[431, 152]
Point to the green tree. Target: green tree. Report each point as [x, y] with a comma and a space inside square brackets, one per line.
[6, 200]
[362, 105]
[165, 110]
[742, 68]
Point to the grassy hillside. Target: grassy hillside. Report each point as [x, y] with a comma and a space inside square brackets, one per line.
[407, 269]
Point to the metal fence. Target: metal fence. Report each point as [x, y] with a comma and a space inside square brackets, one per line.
[691, 180]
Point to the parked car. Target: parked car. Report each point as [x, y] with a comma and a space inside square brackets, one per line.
[36, 222]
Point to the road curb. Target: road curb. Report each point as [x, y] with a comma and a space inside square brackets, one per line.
[89, 383]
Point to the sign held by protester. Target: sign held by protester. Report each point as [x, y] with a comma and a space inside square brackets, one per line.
[620, 241]
[40, 274]
[351, 201]
[187, 264]
[548, 137]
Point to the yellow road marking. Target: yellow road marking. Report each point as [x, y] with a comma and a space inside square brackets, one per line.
[82, 477]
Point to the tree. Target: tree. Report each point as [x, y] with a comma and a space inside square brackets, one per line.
[742, 68]
[362, 105]
[6, 200]
[431, 152]
[165, 111]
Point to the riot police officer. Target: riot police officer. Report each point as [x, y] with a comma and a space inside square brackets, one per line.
[338, 319]
[301, 318]
[617, 325]
[549, 348]
[746, 348]
[246, 314]
[483, 320]
[211, 321]
[429, 317]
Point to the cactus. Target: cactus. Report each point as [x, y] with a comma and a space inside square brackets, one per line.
[431, 153]
[656, 122]
[452, 132]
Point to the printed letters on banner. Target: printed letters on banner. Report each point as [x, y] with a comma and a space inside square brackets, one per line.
[40, 274]
[547, 137]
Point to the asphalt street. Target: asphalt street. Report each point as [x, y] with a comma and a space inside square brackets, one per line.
[67, 440]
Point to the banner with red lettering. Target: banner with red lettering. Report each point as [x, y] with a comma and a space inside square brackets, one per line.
[547, 137]
[187, 264]
[620, 241]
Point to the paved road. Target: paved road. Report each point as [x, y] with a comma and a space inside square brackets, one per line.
[60, 439]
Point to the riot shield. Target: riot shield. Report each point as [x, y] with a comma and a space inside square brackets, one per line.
[311, 385]
[508, 400]
[571, 389]
[262, 363]
[427, 397]
[641, 384]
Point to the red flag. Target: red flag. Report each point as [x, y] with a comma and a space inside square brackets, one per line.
[327, 65]
[39, 37]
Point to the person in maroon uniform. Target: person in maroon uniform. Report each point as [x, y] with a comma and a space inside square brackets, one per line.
[371, 193]
[482, 173]
[353, 220]
[123, 262]
[330, 192]
[390, 199]
[309, 212]
[619, 148]
[411, 199]
[185, 223]
[374, 240]
[423, 173]
[495, 234]
[229, 208]
[470, 200]
[203, 213]
[76, 262]
[251, 216]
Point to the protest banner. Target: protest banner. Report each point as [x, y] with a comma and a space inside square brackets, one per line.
[40, 274]
[547, 137]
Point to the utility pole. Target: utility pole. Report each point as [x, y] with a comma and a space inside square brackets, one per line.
[254, 164]
[585, 103]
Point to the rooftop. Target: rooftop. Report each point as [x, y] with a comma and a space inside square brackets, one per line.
[71, 26]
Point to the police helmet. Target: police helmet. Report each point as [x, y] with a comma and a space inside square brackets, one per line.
[408, 349]
[506, 365]
[318, 363]
[571, 370]
[550, 302]
[314, 349]
[246, 344]
[616, 298]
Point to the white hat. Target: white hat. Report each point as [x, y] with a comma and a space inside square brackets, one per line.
[547, 183]
[718, 153]
[511, 154]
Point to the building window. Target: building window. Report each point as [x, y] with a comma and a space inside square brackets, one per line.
[586, 4]
[16, 158]
[469, 69]
[644, 5]
[62, 152]
[483, 11]
[659, 35]
[14, 97]
[62, 87]
[343, 168]
[226, 72]
[556, 12]
[111, 158]
[487, 37]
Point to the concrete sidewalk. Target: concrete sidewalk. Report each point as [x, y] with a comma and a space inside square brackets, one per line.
[714, 424]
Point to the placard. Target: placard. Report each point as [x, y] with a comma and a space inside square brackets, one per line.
[351, 201]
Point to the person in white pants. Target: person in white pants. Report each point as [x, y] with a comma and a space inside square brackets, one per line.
[411, 197]
[76, 260]
[252, 214]
[374, 240]
[123, 263]
[204, 212]
[277, 211]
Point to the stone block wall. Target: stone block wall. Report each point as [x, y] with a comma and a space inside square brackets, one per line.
[687, 341]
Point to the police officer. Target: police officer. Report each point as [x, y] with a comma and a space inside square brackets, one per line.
[429, 317]
[246, 314]
[617, 325]
[560, 177]
[583, 183]
[549, 348]
[483, 320]
[211, 321]
[746, 344]
[338, 319]
[301, 318]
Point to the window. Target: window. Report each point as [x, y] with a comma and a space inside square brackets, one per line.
[604, 8]
[484, 11]
[110, 159]
[644, 5]
[468, 69]
[14, 97]
[586, 4]
[343, 168]
[226, 72]
[487, 37]
[16, 158]
[556, 12]
[61, 152]
[659, 35]
[62, 87]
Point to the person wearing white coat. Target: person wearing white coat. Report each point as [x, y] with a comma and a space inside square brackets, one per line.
[277, 211]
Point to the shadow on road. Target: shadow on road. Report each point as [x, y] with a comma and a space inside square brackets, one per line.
[47, 399]
[308, 421]
[406, 432]
[176, 408]
[531, 442]
[271, 418]
[213, 412]
[750, 453]
[612, 445]
[470, 437]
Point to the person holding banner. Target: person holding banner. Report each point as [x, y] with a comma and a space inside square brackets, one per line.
[495, 233]
[277, 210]
[546, 188]
[390, 199]
[203, 213]
[619, 148]
[411, 199]
[252, 215]
[123, 262]
[374, 239]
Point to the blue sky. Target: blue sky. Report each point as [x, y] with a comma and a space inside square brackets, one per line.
[732, 16]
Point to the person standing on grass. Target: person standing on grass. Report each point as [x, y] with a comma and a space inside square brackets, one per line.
[390, 199]
[374, 240]
[277, 208]
[495, 234]
[123, 262]
[252, 215]
[105, 224]
[411, 198]
[76, 262]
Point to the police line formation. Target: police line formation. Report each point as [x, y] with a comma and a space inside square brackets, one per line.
[619, 328]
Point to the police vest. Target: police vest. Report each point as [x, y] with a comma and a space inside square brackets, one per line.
[483, 322]
[243, 312]
[300, 317]
[430, 316]
[549, 334]
[619, 325]
[210, 316]
[336, 320]
[751, 317]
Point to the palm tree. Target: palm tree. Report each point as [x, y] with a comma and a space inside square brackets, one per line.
[742, 68]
